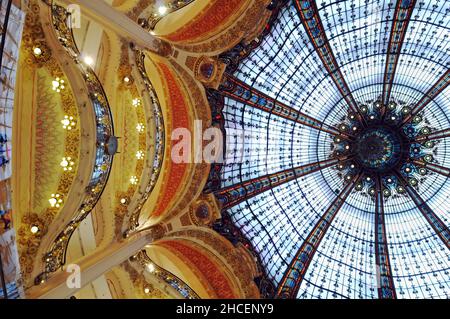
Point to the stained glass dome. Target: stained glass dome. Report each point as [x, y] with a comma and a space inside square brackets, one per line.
[337, 168]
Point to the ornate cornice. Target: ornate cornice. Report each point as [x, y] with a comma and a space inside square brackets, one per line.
[242, 268]
[245, 27]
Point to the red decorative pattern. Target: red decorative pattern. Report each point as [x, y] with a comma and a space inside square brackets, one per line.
[179, 114]
[211, 18]
[210, 271]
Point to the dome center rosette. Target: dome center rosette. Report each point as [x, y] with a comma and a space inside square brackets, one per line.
[379, 149]
[384, 149]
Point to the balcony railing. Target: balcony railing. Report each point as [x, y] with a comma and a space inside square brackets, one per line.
[160, 12]
[159, 142]
[106, 143]
[166, 276]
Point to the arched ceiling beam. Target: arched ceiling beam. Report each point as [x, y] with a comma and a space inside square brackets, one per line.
[242, 92]
[294, 275]
[91, 267]
[54, 245]
[444, 171]
[432, 93]
[435, 222]
[235, 194]
[107, 16]
[434, 136]
[309, 15]
[402, 16]
[386, 288]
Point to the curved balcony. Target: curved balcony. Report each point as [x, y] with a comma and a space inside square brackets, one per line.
[105, 144]
[158, 13]
[160, 274]
[152, 171]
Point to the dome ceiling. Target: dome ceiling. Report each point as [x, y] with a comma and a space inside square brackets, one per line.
[337, 163]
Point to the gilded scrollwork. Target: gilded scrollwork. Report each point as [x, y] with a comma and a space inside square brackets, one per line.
[244, 268]
[106, 144]
[150, 22]
[248, 25]
[144, 288]
[166, 276]
[33, 39]
[159, 144]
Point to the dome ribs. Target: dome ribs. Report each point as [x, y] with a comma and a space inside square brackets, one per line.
[402, 16]
[294, 275]
[386, 288]
[242, 92]
[435, 222]
[235, 194]
[444, 171]
[434, 136]
[431, 94]
[309, 15]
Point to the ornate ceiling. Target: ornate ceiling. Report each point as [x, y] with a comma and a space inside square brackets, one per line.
[334, 121]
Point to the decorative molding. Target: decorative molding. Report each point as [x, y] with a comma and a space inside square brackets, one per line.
[244, 270]
[106, 144]
[249, 23]
[173, 281]
[204, 265]
[33, 36]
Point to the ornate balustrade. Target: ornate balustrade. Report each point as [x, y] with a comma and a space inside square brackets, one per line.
[106, 142]
[166, 276]
[159, 143]
[162, 11]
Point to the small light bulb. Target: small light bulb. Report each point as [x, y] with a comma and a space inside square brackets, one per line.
[162, 10]
[88, 60]
[34, 229]
[37, 51]
[150, 267]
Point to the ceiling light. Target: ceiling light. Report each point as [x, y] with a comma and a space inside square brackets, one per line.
[162, 10]
[68, 122]
[55, 200]
[150, 267]
[429, 144]
[127, 79]
[139, 155]
[140, 127]
[34, 229]
[58, 84]
[136, 102]
[88, 60]
[67, 163]
[134, 180]
[37, 51]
